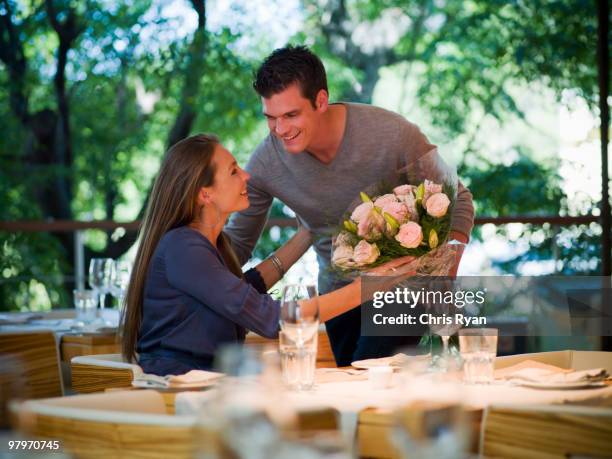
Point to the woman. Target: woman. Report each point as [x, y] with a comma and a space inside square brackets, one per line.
[187, 294]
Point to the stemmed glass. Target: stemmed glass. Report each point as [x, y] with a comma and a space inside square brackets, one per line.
[121, 279]
[442, 315]
[297, 322]
[101, 274]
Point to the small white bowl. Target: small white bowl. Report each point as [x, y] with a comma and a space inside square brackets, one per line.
[380, 377]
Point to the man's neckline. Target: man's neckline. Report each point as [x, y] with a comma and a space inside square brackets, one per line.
[343, 136]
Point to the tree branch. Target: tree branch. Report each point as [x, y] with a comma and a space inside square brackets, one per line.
[11, 53]
[196, 60]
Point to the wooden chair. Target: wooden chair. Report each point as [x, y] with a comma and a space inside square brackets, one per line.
[546, 431]
[96, 373]
[116, 424]
[34, 361]
[325, 356]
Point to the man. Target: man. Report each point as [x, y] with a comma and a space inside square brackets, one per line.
[316, 159]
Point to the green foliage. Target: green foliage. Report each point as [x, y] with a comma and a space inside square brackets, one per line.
[127, 72]
[521, 187]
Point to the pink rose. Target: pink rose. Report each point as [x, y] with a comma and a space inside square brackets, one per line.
[371, 226]
[437, 205]
[397, 210]
[410, 235]
[430, 189]
[403, 190]
[365, 253]
[384, 199]
[361, 211]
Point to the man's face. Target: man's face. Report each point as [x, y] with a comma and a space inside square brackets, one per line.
[292, 118]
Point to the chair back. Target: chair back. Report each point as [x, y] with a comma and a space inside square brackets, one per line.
[325, 355]
[34, 363]
[116, 424]
[96, 373]
[546, 431]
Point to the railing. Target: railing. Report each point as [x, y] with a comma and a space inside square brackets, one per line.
[77, 227]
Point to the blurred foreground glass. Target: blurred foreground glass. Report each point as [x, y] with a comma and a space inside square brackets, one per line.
[85, 303]
[245, 414]
[431, 429]
[298, 336]
[478, 347]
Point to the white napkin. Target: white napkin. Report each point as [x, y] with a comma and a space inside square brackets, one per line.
[193, 378]
[396, 361]
[542, 373]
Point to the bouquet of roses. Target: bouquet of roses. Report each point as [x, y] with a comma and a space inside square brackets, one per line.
[409, 221]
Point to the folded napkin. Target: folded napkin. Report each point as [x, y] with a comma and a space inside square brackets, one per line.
[18, 318]
[537, 372]
[193, 378]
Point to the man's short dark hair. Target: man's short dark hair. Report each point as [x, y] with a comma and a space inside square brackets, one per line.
[289, 65]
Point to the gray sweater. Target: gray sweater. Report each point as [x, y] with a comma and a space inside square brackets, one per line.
[376, 143]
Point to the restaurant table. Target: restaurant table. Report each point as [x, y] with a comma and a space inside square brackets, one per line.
[70, 341]
[367, 415]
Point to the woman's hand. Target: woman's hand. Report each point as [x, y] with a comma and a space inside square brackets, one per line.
[398, 267]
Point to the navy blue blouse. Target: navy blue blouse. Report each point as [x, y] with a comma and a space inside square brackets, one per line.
[193, 304]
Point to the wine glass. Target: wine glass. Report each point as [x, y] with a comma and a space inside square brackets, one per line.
[442, 316]
[299, 323]
[101, 273]
[121, 279]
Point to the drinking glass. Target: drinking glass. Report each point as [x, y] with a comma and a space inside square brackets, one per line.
[121, 279]
[442, 320]
[101, 273]
[85, 303]
[478, 347]
[298, 337]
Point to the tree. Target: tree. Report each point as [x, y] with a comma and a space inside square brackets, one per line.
[84, 133]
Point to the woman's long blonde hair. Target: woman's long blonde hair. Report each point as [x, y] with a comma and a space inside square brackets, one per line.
[187, 167]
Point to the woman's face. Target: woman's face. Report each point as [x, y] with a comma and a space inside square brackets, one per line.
[229, 190]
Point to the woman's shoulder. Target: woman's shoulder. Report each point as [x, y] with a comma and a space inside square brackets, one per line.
[184, 236]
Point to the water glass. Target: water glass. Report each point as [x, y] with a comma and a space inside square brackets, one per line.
[85, 303]
[298, 361]
[478, 347]
[299, 321]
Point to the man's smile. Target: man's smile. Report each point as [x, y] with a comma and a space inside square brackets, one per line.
[290, 138]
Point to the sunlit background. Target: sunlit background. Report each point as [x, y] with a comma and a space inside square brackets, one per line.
[508, 91]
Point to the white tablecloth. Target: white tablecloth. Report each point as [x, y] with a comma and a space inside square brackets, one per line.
[352, 394]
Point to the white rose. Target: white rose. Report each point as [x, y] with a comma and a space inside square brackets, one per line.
[365, 253]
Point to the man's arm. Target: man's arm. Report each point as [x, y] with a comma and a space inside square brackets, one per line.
[462, 220]
[422, 155]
